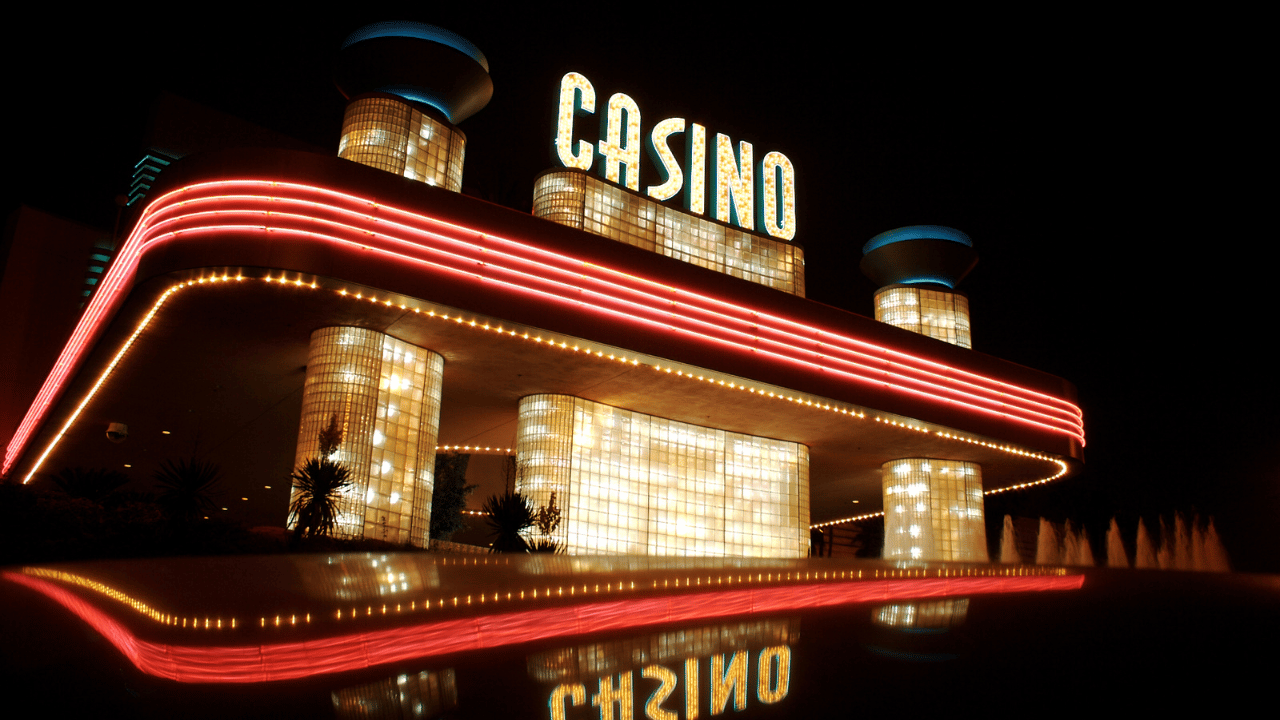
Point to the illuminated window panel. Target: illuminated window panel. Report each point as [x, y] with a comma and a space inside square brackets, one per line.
[933, 510]
[423, 694]
[388, 134]
[386, 395]
[367, 578]
[630, 483]
[585, 202]
[924, 614]
[937, 313]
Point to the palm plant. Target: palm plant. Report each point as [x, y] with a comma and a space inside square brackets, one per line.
[508, 515]
[90, 484]
[187, 488]
[318, 486]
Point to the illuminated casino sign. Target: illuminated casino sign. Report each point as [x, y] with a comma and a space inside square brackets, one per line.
[741, 192]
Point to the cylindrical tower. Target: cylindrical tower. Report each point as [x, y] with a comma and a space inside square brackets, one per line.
[408, 85]
[933, 510]
[933, 507]
[917, 269]
[385, 394]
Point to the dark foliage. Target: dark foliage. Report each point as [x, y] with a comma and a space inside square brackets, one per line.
[547, 518]
[317, 487]
[507, 515]
[187, 489]
[546, 545]
[330, 437]
[450, 495]
[91, 484]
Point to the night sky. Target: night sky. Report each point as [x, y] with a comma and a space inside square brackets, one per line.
[1096, 163]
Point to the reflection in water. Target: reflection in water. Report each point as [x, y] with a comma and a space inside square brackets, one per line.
[932, 614]
[669, 663]
[267, 619]
[423, 695]
[615, 656]
[673, 643]
[727, 681]
[371, 577]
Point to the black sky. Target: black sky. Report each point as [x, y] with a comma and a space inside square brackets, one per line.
[1099, 163]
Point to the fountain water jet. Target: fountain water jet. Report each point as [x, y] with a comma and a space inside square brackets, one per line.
[1198, 561]
[1047, 551]
[1117, 557]
[1009, 543]
[1085, 549]
[1215, 554]
[1070, 546]
[1144, 553]
[1165, 555]
[1182, 544]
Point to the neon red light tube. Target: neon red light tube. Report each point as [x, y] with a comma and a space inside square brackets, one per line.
[322, 215]
[355, 651]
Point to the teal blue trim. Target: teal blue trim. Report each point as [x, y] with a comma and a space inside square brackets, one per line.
[421, 31]
[916, 232]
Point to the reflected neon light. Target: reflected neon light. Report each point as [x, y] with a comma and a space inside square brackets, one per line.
[354, 651]
[323, 216]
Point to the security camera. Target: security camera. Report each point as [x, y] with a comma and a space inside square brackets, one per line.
[117, 432]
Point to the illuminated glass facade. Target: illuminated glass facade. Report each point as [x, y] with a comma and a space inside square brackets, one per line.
[386, 395]
[933, 510]
[939, 314]
[389, 134]
[629, 483]
[588, 203]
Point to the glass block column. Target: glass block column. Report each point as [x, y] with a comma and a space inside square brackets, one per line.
[386, 396]
[389, 134]
[630, 483]
[936, 313]
[933, 510]
[544, 446]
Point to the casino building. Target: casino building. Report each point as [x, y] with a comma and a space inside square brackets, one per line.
[645, 351]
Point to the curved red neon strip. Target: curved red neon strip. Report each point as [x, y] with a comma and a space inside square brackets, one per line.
[356, 651]
[574, 276]
[575, 282]
[632, 311]
[610, 288]
[698, 315]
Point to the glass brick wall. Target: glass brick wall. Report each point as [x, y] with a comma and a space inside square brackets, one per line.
[630, 483]
[390, 135]
[386, 395]
[585, 202]
[937, 313]
[933, 510]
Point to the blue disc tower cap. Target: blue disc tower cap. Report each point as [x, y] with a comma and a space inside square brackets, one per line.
[421, 31]
[919, 255]
[424, 64]
[916, 232]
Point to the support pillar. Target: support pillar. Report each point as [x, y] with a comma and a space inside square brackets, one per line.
[386, 396]
[933, 510]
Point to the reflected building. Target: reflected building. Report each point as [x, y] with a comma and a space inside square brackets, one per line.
[419, 695]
